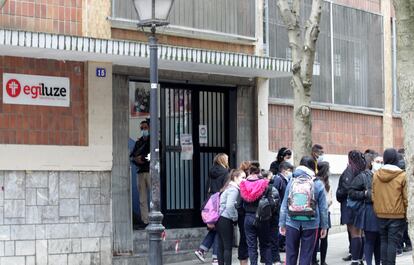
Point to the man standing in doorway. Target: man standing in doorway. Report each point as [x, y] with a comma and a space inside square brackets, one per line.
[139, 157]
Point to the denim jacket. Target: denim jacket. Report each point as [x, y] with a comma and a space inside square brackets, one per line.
[228, 200]
[321, 217]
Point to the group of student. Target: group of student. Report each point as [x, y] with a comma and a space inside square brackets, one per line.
[287, 209]
[373, 195]
[269, 206]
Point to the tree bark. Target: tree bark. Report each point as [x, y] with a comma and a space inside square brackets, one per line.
[303, 57]
[405, 76]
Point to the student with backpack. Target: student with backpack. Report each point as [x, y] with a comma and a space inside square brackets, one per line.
[274, 221]
[303, 211]
[228, 216]
[259, 206]
[280, 182]
[217, 177]
[242, 250]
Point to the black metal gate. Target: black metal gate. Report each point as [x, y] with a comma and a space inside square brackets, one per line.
[183, 179]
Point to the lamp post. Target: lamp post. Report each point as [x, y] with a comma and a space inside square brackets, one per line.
[153, 14]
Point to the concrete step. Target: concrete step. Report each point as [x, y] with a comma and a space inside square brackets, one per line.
[187, 239]
[141, 247]
[141, 259]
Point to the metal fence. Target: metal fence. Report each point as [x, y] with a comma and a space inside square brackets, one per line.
[355, 65]
[236, 17]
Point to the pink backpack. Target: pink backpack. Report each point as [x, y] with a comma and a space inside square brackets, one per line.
[211, 210]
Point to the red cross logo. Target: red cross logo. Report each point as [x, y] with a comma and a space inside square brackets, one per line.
[13, 88]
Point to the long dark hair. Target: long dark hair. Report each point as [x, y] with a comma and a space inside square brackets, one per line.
[323, 174]
[284, 151]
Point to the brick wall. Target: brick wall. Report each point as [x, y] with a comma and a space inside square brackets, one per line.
[58, 16]
[338, 132]
[57, 218]
[398, 133]
[124, 34]
[44, 125]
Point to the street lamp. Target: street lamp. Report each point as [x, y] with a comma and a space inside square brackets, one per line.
[153, 14]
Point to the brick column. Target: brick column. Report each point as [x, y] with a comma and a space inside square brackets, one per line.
[388, 101]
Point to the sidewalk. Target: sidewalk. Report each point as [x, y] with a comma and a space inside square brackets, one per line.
[337, 248]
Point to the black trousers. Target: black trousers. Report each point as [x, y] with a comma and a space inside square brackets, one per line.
[391, 232]
[243, 253]
[224, 228]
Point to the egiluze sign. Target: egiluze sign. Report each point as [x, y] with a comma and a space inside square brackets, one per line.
[36, 90]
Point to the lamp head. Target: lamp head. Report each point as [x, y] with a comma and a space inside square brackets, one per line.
[153, 12]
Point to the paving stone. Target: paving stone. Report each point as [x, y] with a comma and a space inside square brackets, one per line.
[41, 252]
[37, 179]
[59, 246]
[57, 231]
[69, 185]
[13, 260]
[9, 248]
[14, 185]
[23, 232]
[53, 188]
[58, 259]
[68, 207]
[33, 215]
[89, 179]
[25, 248]
[50, 214]
[90, 244]
[14, 208]
[4, 232]
[42, 197]
[87, 213]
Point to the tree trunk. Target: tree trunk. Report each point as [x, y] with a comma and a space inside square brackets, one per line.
[405, 74]
[303, 57]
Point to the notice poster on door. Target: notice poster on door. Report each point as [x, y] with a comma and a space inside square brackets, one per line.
[202, 134]
[186, 146]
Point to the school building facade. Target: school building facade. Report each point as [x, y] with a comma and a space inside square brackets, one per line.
[75, 87]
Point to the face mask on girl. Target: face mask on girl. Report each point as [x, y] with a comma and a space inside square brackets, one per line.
[144, 133]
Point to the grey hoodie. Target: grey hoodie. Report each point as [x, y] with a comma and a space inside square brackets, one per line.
[228, 201]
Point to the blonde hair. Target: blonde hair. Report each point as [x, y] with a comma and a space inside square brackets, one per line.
[222, 159]
[245, 165]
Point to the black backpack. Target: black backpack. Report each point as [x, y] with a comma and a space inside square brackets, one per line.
[266, 206]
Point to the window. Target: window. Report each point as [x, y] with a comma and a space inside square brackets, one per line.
[337, 63]
[357, 68]
[288, 53]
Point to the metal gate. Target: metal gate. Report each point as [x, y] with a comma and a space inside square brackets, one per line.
[183, 182]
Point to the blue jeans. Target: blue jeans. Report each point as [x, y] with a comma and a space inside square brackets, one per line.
[210, 241]
[261, 231]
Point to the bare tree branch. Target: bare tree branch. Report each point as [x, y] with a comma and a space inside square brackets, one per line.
[286, 13]
[309, 47]
[291, 19]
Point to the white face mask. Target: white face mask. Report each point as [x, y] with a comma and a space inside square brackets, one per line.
[376, 166]
[320, 158]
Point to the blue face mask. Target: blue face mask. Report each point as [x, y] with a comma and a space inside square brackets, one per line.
[144, 133]
[289, 175]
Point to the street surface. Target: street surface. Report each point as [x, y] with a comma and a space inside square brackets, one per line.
[337, 248]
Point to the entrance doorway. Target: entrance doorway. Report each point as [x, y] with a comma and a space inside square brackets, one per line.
[203, 117]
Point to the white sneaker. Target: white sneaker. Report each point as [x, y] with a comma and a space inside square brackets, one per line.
[215, 262]
[200, 255]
